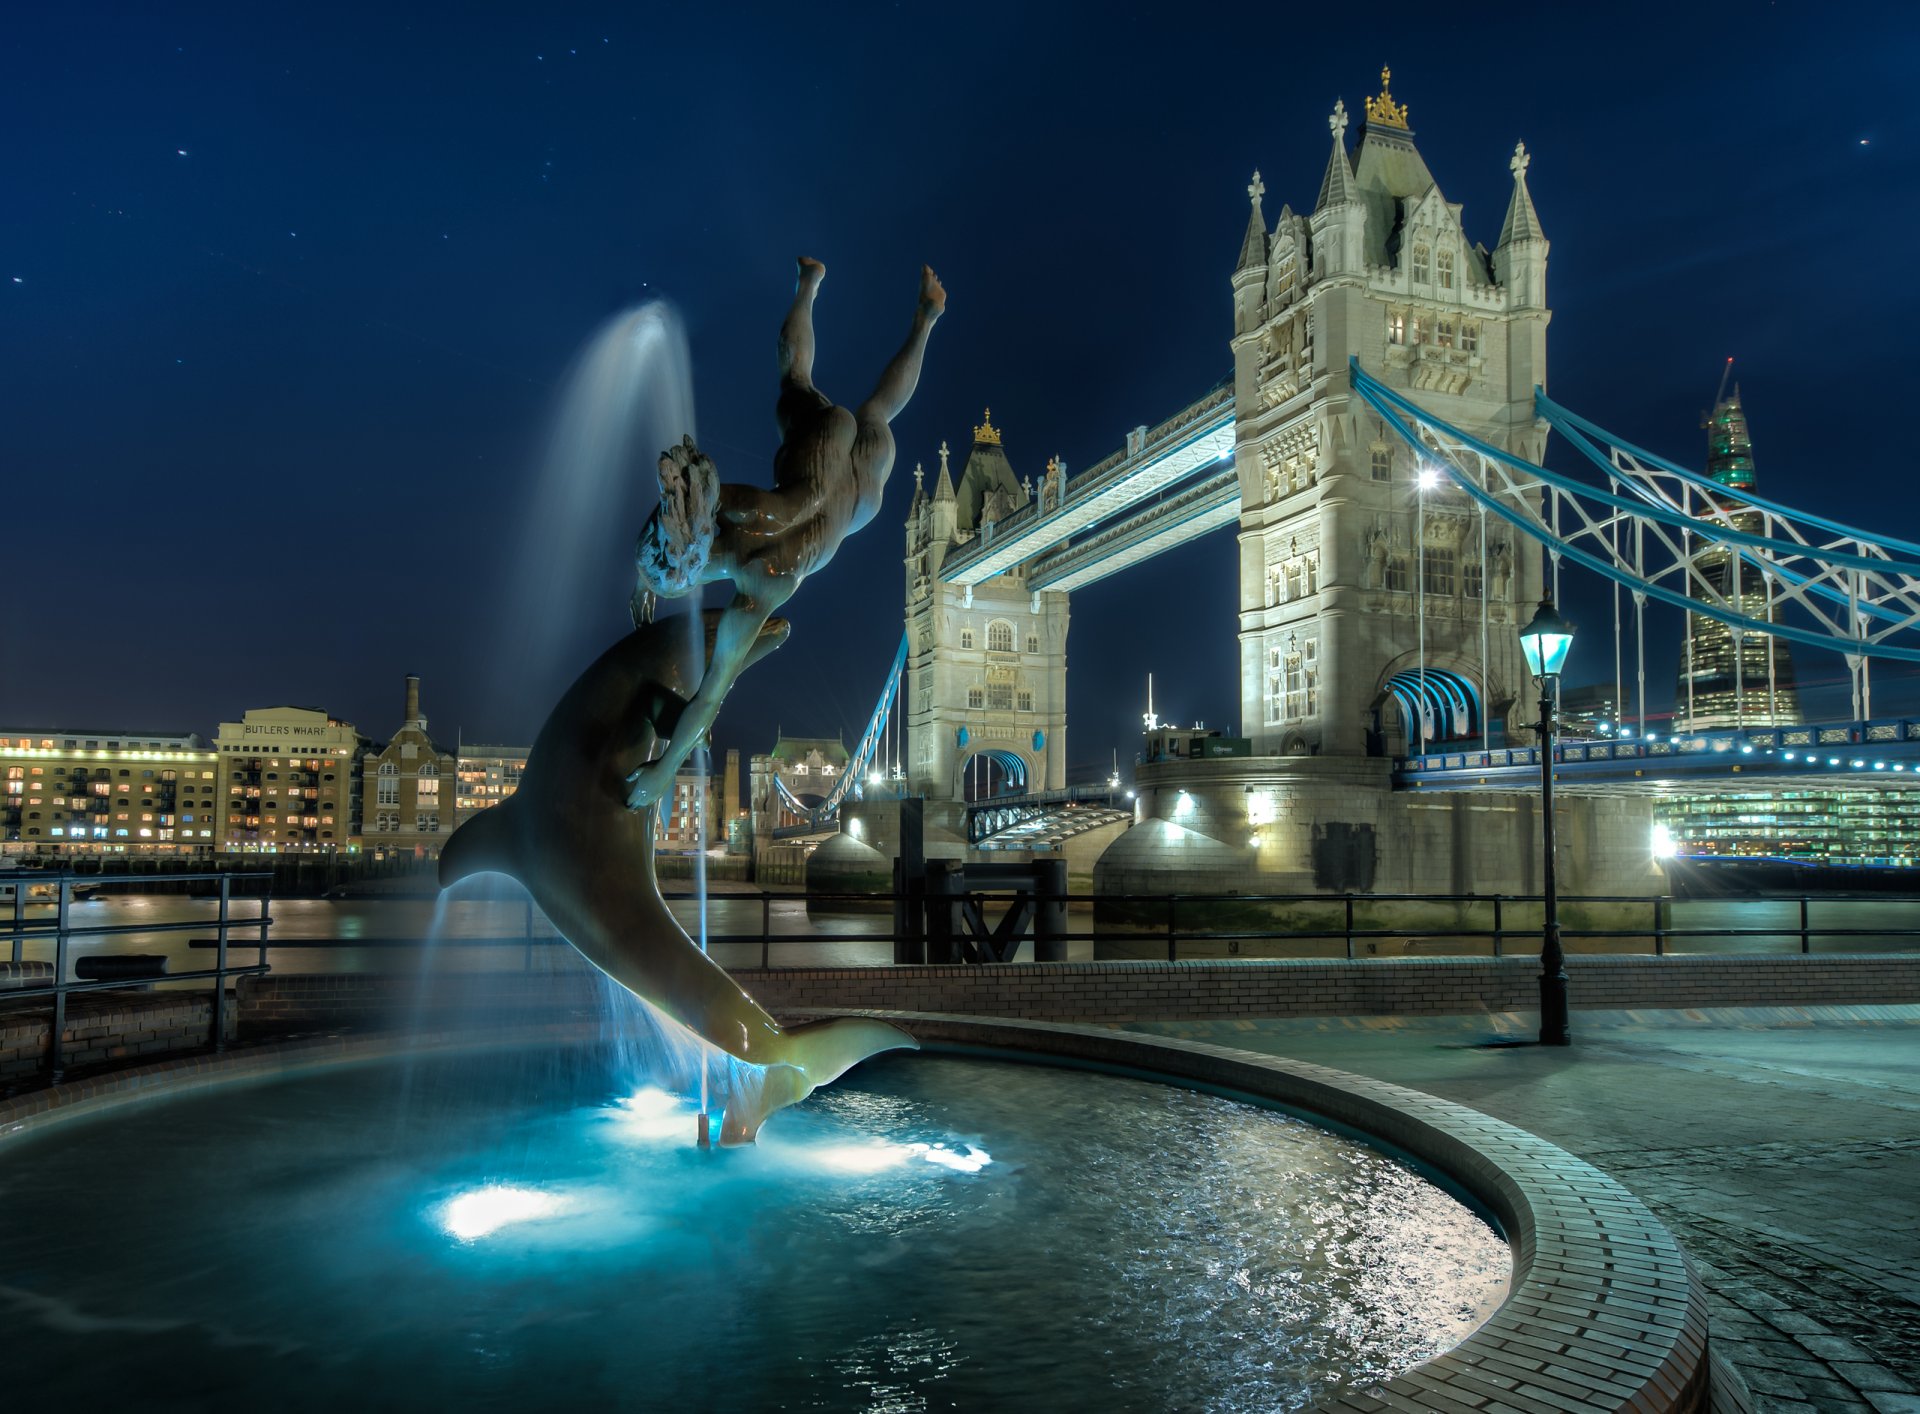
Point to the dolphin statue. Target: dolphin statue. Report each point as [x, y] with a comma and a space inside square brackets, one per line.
[568, 837]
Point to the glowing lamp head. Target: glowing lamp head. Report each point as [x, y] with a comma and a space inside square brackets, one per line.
[1546, 641]
[1429, 476]
[1664, 846]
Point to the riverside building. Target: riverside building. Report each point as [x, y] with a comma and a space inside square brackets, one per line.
[286, 782]
[408, 788]
[89, 792]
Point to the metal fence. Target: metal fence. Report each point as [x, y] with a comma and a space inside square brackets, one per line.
[1225, 927]
[31, 887]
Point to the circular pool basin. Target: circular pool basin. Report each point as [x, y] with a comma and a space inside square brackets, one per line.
[524, 1230]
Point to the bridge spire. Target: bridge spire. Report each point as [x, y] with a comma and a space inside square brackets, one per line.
[1336, 188]
[943, 488]
[1523, 222]
[1253, 250]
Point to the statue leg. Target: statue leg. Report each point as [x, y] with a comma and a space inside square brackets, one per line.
[742, 637]
[796, 335]
[902, 375]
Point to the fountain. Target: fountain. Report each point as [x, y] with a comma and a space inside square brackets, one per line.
[505, 1216]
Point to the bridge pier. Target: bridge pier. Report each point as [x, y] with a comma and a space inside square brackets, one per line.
[1334, 825]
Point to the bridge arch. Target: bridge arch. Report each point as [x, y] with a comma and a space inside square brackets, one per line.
[1418, 707]
[991, 771]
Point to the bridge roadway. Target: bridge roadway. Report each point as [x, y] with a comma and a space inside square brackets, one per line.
[1878, 754]
[1154, 460]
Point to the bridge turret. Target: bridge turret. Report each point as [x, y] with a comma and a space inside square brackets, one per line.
[1339, 216]
[1520, 260]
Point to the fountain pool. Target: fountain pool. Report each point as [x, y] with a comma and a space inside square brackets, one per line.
[522, 1229]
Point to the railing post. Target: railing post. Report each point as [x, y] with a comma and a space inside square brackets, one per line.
[1050, 910]
[220, 966]
[19, 916]
[1173, 950]
[1662, 917]
[1349, 899]
[1806, 937]
[1499, 926]
[56, 1056]
[766, 929]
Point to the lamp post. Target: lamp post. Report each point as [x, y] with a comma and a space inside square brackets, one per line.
[1546, 641]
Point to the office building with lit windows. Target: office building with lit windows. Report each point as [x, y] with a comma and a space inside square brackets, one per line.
[1730, 677]
[73, 792]
[408, 788]
[286, 782]
[486, 776]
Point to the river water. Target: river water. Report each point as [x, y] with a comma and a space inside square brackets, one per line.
[506, 931]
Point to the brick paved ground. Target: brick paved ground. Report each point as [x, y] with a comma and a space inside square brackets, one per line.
[1782, 1146]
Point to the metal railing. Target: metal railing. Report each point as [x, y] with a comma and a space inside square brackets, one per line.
[1168, 923]
[37, 888]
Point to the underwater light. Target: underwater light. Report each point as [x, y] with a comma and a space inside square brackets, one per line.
[487, 1210]
[864, 1158]
[880, 1154]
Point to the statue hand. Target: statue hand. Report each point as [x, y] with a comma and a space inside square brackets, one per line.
[646, 786]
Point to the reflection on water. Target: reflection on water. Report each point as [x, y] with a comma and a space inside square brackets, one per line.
[522, 1240]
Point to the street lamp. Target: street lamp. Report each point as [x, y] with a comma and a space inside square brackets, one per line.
[1546, 641]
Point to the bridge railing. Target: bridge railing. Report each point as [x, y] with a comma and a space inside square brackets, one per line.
[1836, 744]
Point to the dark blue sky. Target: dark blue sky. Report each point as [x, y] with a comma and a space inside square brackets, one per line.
[286, 296]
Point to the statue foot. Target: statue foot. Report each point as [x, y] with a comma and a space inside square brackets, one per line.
[812, 272]
[933, 295]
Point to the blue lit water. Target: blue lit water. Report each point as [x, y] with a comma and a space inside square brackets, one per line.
[931, 1233]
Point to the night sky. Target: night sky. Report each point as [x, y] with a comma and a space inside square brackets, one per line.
[287, 298]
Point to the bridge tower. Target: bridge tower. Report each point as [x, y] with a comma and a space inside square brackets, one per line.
[986, 674]
[1361, 591]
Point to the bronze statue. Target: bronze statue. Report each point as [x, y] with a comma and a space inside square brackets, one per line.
[578, 833]
[828, 477]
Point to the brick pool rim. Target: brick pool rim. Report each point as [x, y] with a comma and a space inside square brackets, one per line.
[1603, 1310]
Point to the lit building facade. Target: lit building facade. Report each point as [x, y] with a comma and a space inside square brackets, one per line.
[1349, 557]
[486, 776]
[985, 684]
[1730, 677]
[809, 768]
[1813, 826]
[408, 788]
[286, 778]
[106, 792]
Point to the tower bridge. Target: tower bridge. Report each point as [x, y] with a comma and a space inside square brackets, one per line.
[1379, 448]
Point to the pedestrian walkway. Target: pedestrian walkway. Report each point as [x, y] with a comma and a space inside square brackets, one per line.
[1782, 1147]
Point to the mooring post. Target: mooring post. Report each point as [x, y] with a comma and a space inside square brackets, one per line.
[910, 884]
[946, 881]
[1050, 910]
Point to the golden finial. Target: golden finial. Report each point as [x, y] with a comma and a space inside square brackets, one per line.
[986, 434]
[1383, 112]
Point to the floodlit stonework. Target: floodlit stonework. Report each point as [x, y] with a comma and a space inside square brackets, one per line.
[1343, 553]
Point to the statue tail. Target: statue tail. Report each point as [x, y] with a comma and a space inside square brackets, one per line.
[487, 843]
[812, 1055]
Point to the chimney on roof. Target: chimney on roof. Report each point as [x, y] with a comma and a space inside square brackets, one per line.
[413, 699]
